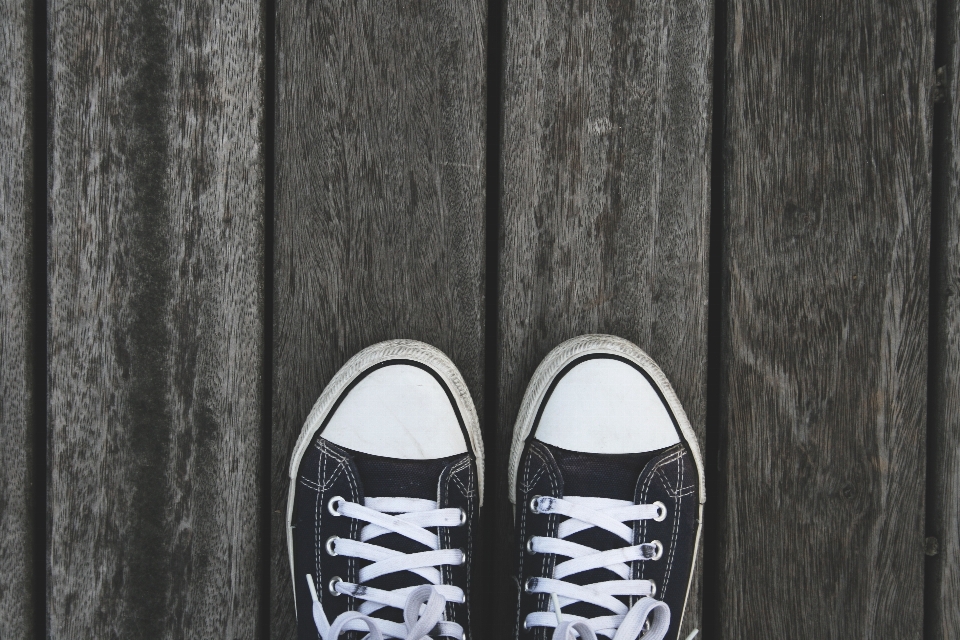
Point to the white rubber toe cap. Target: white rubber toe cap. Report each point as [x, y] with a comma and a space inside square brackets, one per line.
[604, 405]
[397, 411]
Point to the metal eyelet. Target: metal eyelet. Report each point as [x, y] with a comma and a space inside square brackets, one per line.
[463, 519]
[525, 625]
[533, 504]
[463, 557]
[661, 511]
[530, 585]
[332, 586]
[659, 547]
[653, 588]
[330, 505]
[530, 545]
[331, 548]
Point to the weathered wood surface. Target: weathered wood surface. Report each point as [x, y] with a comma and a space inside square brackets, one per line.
[827, 220]
[155, 318]
[16, 398]
[380, 131]
[605, 201]
[944, 621]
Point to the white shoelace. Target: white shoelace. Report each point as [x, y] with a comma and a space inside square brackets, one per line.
[423, 606]
[647, 616]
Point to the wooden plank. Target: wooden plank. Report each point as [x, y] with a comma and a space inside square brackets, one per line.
[379, 207]
[943, 622]
[826, 236]
[16, 372]
[605, 200]
[155, 318]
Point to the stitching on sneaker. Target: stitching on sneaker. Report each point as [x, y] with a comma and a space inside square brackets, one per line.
[446, 572]
[460, 466]
[318, 514]
[549, 559]
[308, 483]
[446, 538]
[533, 481]
[342, 466]
[666, 483]
[523, 537]
[325, 483]
[676, 527]
[469, 549]
[352, 569]
[643, 498]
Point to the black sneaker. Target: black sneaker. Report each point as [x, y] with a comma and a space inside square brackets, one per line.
[607, 480]
[386, 485]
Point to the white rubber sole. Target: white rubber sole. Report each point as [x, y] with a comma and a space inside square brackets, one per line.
[375, 354]
[585, 345]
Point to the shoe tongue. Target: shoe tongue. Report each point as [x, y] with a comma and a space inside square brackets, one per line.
[601, 475]
[392, 478]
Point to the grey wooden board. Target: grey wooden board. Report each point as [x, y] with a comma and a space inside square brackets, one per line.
[605, 201]
[155, 318]
[16, 440]
[945, 409]
[826, 235]
[379, 204]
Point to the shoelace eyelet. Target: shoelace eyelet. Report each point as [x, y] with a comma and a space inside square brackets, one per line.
[533, 504]
[653, 588]
[463, 519]
[661, 511]
[332, 586]
[335, 500]
[530, 585]
[530, 545]
[331, 548]
[659, 547]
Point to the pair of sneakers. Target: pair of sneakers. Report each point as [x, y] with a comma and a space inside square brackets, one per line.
[387, 480]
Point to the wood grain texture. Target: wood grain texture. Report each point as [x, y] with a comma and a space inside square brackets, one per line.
[155, 318]
[16, 397]
[944, 583]
[605, 201]
[826, 237]
[379, 206]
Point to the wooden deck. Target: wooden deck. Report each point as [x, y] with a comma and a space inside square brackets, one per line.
[209, 206]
